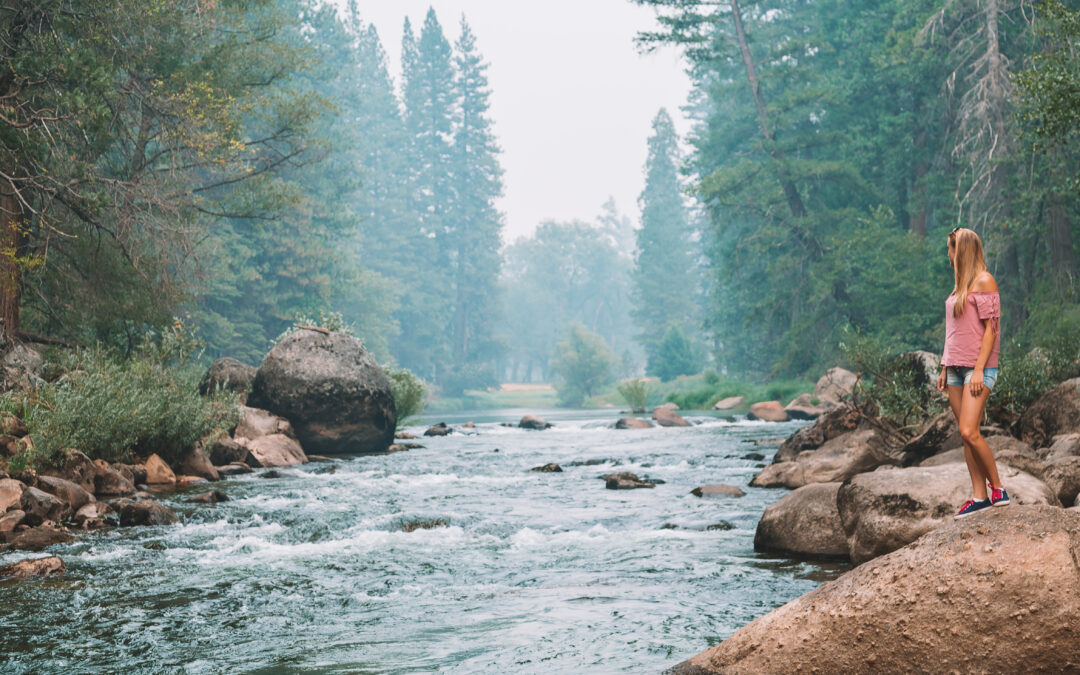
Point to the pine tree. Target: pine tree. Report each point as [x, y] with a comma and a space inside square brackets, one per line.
[476, 225]
[664, 280]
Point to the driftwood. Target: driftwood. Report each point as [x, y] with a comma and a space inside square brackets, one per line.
[317, 329]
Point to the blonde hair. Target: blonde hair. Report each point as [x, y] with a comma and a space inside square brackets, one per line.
[968, 263]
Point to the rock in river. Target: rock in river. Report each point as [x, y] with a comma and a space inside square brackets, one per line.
[995, 593]
[666, 417]
[717, 490]
[331, 389]
[145, 512]
[803, 522]
[633, 423]
[838, 459]
[41, 567]
[534, 422]
[625, 480]
[768, 411]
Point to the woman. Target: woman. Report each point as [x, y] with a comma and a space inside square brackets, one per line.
[969, 365]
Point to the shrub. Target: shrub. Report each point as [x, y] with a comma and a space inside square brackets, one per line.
[475, 376]
[409, 393]
[674, 356]
[897, 384]
[636, 393]
[583, 364]
[114, 409]
[331, 321]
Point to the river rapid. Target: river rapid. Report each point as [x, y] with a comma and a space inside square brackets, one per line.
[315, 571]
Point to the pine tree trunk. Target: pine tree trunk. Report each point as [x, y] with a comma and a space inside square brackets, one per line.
[791, 192]
[1062, 259]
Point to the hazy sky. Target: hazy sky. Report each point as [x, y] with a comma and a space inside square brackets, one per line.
[572, 100]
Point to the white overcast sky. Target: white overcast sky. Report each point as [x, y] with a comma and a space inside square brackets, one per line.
[572, 100]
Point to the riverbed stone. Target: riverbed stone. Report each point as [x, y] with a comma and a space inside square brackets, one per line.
[39, 567]
[234, 469]
[534, 422]
[838, 421]
[666, 417]
[145, 512]
[211, 497]
[717, 490]
[439, 429]
[40, 506]
[1064, 445]
[835, 385]
[11, 492]
[935, 606]
[802, 407]
[93, 515]
[275, 450]
[836, 460]
[804, 522]
[256, 423]
[136, 473]
[195, 462]
[38, 538]
[768, 411]
[730, 403]
[883, 511]
[624, 480]
[227, 374]
[330, 388]
[1055, 412]
[77, 468]
[12, 519]
[225, 450]
[633, 423]
[184, 481]
[158, 472]
[551, 467]
[108, 482]
[66, 491]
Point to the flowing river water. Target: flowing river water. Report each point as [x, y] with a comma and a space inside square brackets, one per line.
[315, 572]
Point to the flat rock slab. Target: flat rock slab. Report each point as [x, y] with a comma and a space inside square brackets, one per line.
[41, 567]
[837, 459]
[717, 490]
[931, 607]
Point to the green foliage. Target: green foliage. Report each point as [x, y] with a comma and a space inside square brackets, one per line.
[409, 393]
[1025, 375]
[673, 356]
[331, 321]
[116, 408]
[897, 384]
[701, 392]
[636, 393]
[583, 363]
[469, 376]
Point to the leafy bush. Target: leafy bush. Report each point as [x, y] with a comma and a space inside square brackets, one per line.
[674, 356]
[409, 393]
[636, 393]
[474, 376]
[583, 364]
[897, 384]
[1027, 375]
[331, 321]
[114, 409]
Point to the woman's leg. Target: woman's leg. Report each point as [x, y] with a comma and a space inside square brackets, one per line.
[971, 414]
[975, 469]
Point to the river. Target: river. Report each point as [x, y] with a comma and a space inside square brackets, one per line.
[314, 571]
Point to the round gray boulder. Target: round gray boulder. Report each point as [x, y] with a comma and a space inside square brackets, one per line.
[331, 389]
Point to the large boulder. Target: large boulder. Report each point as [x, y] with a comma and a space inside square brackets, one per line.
[11, 492]
[77, 468]
[767, 411]
[999, 593]
[883, 511]
[836, 422]
[1062, 475]
[158, 472]
[835, 385]
[666, 417]
[331, 389]
[145, 512]
[38, 538]
[275, 450]
[40, 567]
[1056, 412]
[21, 366]
[93, 515]
[225, 451]
[40, 506]
[108, 482]
[227, 373]
[1007, 451]
[804, 522]
[66, 491]
[10, 520]
[837, 460]
[195, 462]
[802, 408]
[1064, 445]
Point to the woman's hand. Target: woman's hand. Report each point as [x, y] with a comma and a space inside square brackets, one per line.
[941, 382]
[976, 383]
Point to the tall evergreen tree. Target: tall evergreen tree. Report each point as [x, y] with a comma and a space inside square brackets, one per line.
[664, 278]
[475, 228]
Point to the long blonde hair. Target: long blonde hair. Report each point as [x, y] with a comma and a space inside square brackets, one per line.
[968, 263]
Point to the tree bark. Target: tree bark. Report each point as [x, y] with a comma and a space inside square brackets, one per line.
[791, 192]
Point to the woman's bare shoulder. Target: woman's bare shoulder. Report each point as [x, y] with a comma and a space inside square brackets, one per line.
[984, 283]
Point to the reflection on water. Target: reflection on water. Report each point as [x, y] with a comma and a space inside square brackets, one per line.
[454, 558]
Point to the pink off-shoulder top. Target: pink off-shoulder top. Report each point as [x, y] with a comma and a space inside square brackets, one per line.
[964, 334]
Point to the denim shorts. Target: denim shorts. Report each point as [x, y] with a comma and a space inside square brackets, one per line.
[958, 376]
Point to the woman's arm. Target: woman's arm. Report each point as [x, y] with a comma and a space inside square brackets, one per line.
[983, 283]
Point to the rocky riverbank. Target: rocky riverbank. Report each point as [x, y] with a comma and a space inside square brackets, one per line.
[930, 593]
